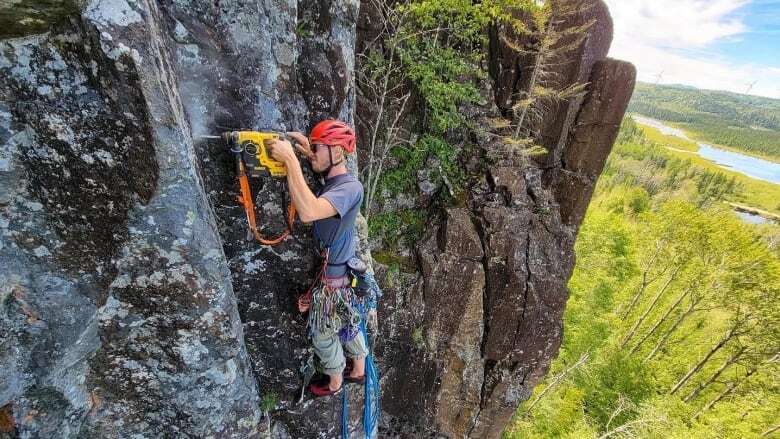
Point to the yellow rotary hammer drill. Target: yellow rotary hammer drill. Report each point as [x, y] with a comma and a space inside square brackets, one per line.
[250, 149]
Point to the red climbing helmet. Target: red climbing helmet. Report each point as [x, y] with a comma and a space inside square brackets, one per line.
[334, 132]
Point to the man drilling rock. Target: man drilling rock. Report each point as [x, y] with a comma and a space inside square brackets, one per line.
[333, 318]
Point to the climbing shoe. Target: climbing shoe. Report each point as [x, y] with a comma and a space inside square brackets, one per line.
[357, 380]
[348, 371]
[322, 389]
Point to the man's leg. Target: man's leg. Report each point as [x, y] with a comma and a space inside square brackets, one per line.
[328, 348]
[357, 351]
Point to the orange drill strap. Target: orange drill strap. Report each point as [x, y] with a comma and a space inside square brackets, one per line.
[246, 200]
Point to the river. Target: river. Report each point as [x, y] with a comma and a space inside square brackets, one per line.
[753, 167]
[751, 218]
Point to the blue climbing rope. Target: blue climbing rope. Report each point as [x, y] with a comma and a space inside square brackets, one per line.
[371, 404]
[344, 413]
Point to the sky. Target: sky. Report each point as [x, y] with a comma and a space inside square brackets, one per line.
[712, 44]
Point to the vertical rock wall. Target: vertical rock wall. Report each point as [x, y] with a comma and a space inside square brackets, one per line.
[281, 65]
[123, 250]
[131, 302]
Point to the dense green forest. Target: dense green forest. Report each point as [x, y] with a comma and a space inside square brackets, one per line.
[748, 123]
[671, 330]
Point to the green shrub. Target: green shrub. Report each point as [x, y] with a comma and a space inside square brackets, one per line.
[269, 402]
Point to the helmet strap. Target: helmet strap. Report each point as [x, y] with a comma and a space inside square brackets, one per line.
[326, 171]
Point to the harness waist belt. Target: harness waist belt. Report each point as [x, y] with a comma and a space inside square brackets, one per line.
[337, 282]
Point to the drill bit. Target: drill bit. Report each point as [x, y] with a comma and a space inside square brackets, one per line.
[209, 137]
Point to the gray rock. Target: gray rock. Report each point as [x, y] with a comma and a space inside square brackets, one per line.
[118, 313]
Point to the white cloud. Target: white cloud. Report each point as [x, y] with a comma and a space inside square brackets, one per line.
[676, 23]
[671, 36]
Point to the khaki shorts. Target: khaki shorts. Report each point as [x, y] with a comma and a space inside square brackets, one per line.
[328, 348]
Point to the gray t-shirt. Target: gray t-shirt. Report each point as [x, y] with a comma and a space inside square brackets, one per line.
[345, 193]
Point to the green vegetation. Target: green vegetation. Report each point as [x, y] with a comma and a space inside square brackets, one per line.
[439, 50]
[429, 63]
[747, 123]
[431, 58]
[671, 329]
[403, 178]
[27, 17]
[405, 223]
[418, 339]
[269, 402]
[639, 162]
[655, 135]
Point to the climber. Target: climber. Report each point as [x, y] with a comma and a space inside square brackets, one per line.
[333, 318]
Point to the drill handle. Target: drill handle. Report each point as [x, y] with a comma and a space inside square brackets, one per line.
[236, 149]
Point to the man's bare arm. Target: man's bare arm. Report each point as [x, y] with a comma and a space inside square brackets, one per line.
[309, 207]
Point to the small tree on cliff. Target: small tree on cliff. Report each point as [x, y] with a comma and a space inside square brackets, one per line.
[543, 33]
[426, 55]
[382, 87]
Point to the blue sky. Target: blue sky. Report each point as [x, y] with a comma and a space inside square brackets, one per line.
[761, 41]
[714, 44]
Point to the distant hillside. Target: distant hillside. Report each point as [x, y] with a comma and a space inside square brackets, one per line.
[749, 123]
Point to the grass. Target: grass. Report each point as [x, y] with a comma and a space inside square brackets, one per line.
[390, 258]
[269, 402]
[756, 193]
[418, 338]
[404, 224]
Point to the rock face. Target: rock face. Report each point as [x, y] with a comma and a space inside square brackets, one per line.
[131, 303]
[481, 320]
[118, 316]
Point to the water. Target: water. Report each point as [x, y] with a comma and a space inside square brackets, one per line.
[752, 167]
[664, 129]
[744, 164]
[751, 218]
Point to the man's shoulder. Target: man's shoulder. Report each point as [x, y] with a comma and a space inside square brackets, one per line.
[348, 183]
[355, 183]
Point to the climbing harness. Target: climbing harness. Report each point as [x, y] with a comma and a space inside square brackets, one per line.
[253, 160]
[320, 281]
[328, 302]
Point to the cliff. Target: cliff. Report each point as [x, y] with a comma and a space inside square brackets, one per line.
[131, 303]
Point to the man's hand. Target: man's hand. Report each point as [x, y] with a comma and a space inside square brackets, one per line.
[281, 150]
[301, 143]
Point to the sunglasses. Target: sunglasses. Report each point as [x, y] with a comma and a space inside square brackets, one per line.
[315, 147]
